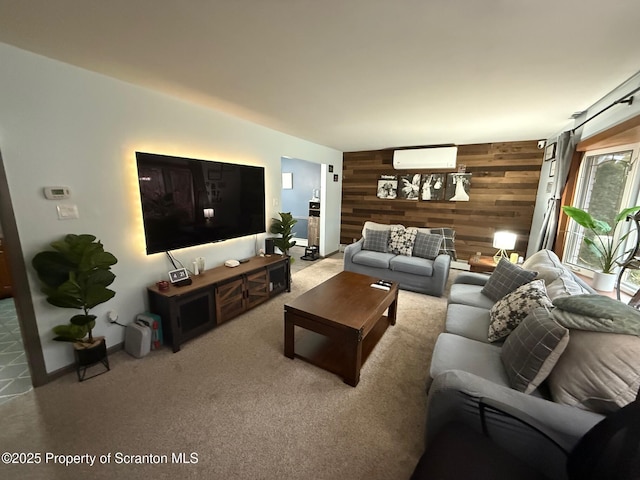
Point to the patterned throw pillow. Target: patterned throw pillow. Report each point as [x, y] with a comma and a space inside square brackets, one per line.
[532, 350]
[376, 240]
[401, 240]
[448, 246]
[505, 279]
[427, 245]
[508, 312]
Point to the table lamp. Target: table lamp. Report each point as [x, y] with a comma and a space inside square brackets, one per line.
[503, 241]
[208, 214]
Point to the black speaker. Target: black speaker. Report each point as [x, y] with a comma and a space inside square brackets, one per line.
[269, 246]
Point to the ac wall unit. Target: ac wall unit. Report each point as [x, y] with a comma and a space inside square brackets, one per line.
[420, 158]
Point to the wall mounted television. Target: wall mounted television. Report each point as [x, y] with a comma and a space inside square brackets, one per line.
[187, 202]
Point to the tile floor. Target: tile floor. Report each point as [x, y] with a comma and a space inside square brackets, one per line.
[14, 371]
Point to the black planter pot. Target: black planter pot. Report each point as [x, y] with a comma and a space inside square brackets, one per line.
[91, 355]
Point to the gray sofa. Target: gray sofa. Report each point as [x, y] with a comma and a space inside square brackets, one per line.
[466, 367]
[413, 273]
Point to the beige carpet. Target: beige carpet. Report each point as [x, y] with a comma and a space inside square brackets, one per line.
[234, 400]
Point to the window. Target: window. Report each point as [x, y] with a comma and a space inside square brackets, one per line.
[607, 183]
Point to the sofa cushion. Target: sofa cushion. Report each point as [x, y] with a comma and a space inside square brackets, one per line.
[376, 241]
[467, 294]
[558, 279]
[453, 352]
[368, 225]
[468, 321]
[401, 240]
[597, 371]
[505, 279]
[414, 265]
[372, 259]
[509, 311]
[427, 245]
[533, 348]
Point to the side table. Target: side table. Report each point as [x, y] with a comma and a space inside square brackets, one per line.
[482, 264]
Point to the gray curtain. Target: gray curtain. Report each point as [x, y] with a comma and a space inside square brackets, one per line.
[566, 146]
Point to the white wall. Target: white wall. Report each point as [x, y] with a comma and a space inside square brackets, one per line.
[614, 115]
[61, 125]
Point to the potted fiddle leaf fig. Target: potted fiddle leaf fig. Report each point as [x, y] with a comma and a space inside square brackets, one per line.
[283, 226]
[603, 242]
[76, 274]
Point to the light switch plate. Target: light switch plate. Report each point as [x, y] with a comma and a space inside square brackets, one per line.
[67, 212]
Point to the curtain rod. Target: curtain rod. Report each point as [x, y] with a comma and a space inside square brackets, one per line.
[626, 98]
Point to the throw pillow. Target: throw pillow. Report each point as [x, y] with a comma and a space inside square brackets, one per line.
[369, 225]
[598, 371]
[597, 313]
[401, 240]
[508, 312]
[448, 246]
[532, 350]
[376, 240]
[505, 279]
[427, 245]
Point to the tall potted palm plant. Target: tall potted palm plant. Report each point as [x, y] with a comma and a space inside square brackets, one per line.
[603, 243]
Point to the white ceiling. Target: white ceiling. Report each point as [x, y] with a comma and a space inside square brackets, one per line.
[353, 74]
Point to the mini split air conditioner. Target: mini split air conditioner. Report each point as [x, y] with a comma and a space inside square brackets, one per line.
[418, 158]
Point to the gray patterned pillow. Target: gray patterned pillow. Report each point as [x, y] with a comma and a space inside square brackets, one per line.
[401, 240]
[505, 279]
[508, 312]
[448, 246]
[427, 245]
[532, 350]
[376, 240]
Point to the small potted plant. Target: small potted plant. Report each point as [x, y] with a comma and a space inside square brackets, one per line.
[76, 274]
[283, 226]
[603, 244]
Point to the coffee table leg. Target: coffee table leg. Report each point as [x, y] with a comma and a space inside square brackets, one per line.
[288, 336]
[393, 310]
[353, 358]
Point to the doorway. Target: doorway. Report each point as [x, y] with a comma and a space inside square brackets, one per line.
[301, 186]
[21, 324]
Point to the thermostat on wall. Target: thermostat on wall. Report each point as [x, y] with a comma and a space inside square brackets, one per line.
[57, 193]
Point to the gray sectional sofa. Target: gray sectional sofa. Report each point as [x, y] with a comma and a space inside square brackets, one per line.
[466, 366]
[416, 269]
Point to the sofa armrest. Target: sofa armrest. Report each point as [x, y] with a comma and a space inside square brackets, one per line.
[441, 268]
[350, 250]
[455, 396]
[472, 278]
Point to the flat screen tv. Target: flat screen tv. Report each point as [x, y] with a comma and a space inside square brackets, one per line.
[187, 202]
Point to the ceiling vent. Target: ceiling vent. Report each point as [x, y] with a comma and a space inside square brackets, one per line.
[425, 158]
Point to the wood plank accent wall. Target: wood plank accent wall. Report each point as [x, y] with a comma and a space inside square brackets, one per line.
[502, 195]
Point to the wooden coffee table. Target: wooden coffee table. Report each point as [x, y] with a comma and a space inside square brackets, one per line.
[343, 319]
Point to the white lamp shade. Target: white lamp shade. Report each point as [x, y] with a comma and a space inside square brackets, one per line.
[504, 240]
[208, 212]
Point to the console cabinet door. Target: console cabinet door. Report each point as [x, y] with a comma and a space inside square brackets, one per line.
[194, 314]
[256, 288]
[230, 300]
